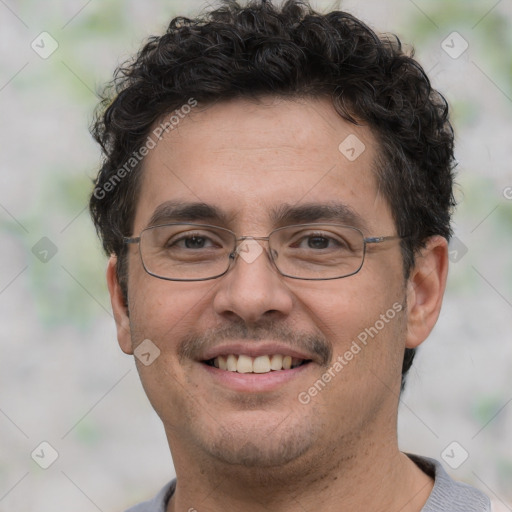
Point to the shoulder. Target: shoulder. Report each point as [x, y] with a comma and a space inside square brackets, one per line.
[159, 502]
[447, 494]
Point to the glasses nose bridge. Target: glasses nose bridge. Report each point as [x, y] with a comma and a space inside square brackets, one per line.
[243, 238]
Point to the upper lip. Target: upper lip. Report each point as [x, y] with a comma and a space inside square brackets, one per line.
[254, 349]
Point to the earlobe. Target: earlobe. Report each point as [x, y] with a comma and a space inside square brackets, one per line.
[119, 307]
[425, 290]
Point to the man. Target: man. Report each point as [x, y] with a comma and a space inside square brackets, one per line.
[275, 199]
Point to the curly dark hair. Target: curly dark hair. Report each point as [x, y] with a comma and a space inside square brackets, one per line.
[256, 50]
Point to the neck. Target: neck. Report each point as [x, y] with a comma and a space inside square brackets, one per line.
[375, 476]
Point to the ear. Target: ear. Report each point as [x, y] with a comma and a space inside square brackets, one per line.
[119, 307]
[425, 290]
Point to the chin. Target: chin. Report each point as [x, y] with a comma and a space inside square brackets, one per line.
[260, 454]
[261, 443]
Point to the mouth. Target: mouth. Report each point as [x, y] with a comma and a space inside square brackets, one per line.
[262, 364]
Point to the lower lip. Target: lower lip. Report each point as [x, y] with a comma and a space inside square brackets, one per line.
[254, 382]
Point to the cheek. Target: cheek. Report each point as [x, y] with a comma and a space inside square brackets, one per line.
[365, 322]
[159, 307]
[350, 304]
[164, 313]
[364, 374]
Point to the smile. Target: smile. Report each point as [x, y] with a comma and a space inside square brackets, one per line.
[260, 364]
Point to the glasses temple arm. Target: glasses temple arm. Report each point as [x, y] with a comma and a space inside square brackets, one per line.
[128, 240]
[379, 239]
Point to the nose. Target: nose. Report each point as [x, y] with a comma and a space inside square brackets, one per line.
[253, 288]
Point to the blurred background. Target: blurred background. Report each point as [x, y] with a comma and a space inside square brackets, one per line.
[63, 379]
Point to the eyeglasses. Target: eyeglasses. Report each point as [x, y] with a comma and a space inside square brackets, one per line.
[199, 252]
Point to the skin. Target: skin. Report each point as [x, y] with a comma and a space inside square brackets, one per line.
[267, 451]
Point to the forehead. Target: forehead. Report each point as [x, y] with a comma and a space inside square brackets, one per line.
[254, 162]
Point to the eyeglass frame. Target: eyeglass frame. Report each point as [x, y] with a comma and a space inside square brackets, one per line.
[233, 254]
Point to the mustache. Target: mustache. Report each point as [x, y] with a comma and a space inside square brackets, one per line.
[195, 344]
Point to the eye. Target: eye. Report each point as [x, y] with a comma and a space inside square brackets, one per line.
[192, 241]
[319, 241]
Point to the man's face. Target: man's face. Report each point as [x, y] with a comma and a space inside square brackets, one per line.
[248, 159]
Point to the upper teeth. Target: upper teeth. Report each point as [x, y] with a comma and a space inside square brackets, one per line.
[259, 364]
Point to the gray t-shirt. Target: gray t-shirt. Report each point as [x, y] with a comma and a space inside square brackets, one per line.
[446, 496]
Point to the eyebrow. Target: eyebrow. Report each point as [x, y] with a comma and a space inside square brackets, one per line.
[284, 215]
[338, 213]
[180, 211]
